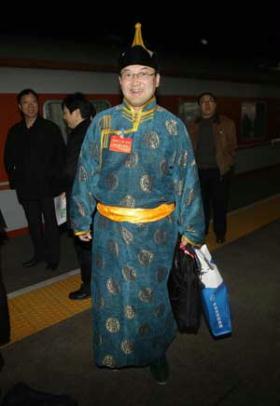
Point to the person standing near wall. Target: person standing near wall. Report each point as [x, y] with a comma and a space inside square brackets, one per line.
[214, 141]
[77, 113]
[34, 158]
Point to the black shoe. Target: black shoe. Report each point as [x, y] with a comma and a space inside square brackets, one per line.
[80, 294]
[220, 239]
[31, 262]
[160, 371]
[52, 266]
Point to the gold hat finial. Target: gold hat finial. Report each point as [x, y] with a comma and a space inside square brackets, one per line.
[138, 40]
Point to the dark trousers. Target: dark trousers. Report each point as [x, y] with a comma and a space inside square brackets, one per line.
[44, 235]
[83, 251]
[215, 196]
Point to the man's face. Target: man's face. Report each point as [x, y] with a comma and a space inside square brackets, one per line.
[70, 118]
[207, 106]
[29, 106]
[138, 84]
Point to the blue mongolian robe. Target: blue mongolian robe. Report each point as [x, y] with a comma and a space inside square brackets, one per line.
[133, 322]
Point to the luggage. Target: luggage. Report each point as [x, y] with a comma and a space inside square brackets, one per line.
[184, 290]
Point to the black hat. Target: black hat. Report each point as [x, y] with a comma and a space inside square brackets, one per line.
[138, 54]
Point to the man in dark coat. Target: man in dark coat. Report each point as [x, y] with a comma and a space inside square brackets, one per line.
[77, 113]
[34, 156]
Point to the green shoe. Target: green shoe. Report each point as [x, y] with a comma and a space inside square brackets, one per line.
[160, 371]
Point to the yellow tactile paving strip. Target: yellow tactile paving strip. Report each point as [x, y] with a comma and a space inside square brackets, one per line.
[43, 307]
[246, 220]
[36, 310]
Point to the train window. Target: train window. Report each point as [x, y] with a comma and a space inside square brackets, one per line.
[100, 105]
[188, 111]
[253, 120]
[52, 111]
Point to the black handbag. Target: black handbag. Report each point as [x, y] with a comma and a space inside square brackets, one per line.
[184, 289]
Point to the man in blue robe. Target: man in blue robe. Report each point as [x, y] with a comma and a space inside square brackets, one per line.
[137, 169]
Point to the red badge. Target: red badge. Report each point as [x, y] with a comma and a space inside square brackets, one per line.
[120, 144]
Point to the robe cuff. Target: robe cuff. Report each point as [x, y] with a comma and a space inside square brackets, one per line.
[81, 232]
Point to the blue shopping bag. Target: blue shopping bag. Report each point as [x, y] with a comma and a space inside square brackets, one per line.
[215, 304]
[214, 294]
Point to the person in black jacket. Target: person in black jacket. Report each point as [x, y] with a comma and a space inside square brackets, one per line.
[34, 157]
[77, 113]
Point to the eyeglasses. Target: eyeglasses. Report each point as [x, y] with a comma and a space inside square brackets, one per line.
[140, 75]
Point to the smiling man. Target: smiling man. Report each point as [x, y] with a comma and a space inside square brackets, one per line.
[137, 169]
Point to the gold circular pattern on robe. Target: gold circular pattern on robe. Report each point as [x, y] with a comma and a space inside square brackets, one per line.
[128, 201]
[109, 361]
[113, 247]
[161, 273]
[145, 257]
[146, 183]
[112, 286]
[160, 236]
[127, 346]
[144, 329]
[126, 235]
[129, 273]
[164, 167]
[132, 160]
[83, 176]
[129, 312]
[112, 325]
[152, 140]
[171, 126]
[112, 181]
[145, 295]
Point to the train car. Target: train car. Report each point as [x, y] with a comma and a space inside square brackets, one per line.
[254, 106]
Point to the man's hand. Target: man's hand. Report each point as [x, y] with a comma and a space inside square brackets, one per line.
[85, 237]
[186, 242]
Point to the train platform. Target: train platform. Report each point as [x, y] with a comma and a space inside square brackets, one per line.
[51, 346]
